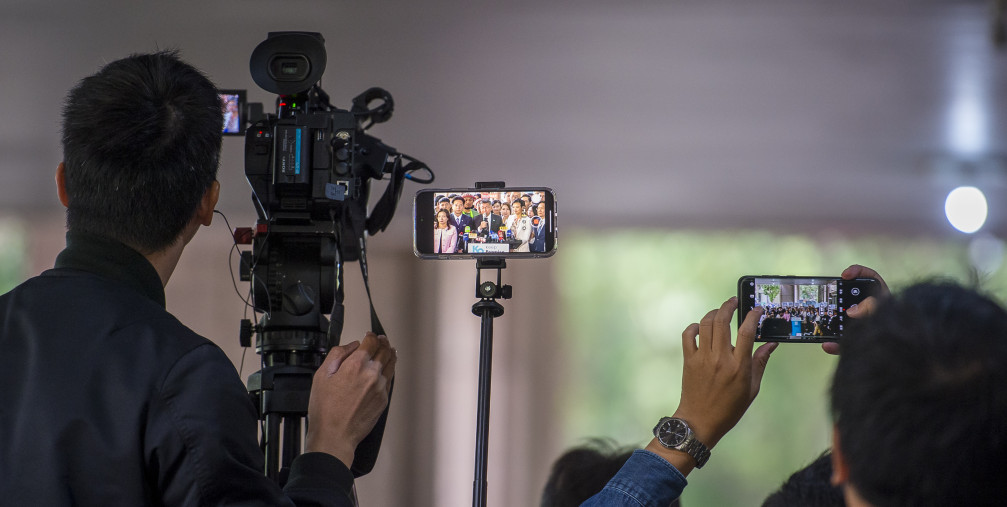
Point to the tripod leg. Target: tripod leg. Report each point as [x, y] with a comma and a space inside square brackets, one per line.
[480, 485]
[291, 444]
[272, 447]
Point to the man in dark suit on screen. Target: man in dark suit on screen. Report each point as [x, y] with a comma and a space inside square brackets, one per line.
[487, 221]
[459, 219]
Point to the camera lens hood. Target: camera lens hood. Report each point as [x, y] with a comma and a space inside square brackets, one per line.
[288, 62]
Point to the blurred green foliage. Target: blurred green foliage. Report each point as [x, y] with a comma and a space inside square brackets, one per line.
[12, 254]
[626, 296]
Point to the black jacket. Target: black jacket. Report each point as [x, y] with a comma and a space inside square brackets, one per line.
[106, 399]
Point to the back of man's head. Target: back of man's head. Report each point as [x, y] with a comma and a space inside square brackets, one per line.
[919, 399]
[582, 472]
[141, 142]
[808, 487]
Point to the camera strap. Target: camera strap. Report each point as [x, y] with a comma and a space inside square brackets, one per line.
[366, 453]
[384, 210]
[375, 322]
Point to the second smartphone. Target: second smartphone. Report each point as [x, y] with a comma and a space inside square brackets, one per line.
[802, 308]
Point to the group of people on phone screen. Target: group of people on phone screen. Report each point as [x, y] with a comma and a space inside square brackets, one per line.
[801, 320]
[515, 218]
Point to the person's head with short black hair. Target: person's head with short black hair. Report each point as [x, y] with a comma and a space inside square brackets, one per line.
[444, 203]
[582, 472]
[141, 143]
[457, 205]
[919, 400]
[809, 487]
[517, 207]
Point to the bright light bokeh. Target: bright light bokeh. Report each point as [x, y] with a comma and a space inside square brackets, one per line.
[966, 209]
[968, 126]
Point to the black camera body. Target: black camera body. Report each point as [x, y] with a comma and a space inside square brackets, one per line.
[312, 162]
[309, 188]
[309, 166]
[299, 167]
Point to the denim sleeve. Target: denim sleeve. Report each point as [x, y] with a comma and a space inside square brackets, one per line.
[646, 480]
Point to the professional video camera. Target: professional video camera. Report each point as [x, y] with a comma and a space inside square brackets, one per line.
[310, 167]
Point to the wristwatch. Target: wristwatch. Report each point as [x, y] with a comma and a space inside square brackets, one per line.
[675, 433]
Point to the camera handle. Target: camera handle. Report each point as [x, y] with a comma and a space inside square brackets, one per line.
[488, 309]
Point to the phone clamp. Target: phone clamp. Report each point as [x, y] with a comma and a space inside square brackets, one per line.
[489, 290]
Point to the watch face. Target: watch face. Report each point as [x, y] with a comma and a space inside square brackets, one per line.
[673, 433]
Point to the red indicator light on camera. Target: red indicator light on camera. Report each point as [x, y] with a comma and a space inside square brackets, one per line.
[243, 235]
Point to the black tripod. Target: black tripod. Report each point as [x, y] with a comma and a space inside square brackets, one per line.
[488, 309]
[300, 276]
[280, 390]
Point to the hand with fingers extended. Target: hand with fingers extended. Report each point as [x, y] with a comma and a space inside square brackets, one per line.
[719, 380]
[348, 394]
[865, 307]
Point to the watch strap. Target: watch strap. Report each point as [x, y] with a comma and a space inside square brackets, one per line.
[699, 452]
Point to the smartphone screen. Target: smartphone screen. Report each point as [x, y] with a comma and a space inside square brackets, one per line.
[497, 222]
[801, 308]
[233, 103]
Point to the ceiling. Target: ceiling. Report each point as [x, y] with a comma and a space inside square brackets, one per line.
[856, 116]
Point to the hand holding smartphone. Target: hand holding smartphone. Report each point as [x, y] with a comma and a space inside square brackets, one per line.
[810, 309]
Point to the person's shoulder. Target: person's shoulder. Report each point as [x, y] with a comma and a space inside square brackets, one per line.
[80, 294]
[170, 349]
[161, 330]
[19, 288]
[120, 313]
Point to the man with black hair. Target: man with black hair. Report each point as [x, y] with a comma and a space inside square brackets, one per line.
[919, 400]
[537, 243]
[106, 398]
[810, 486]
[444, 204]
[583, 471]
[459, 219]
[487, 221]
